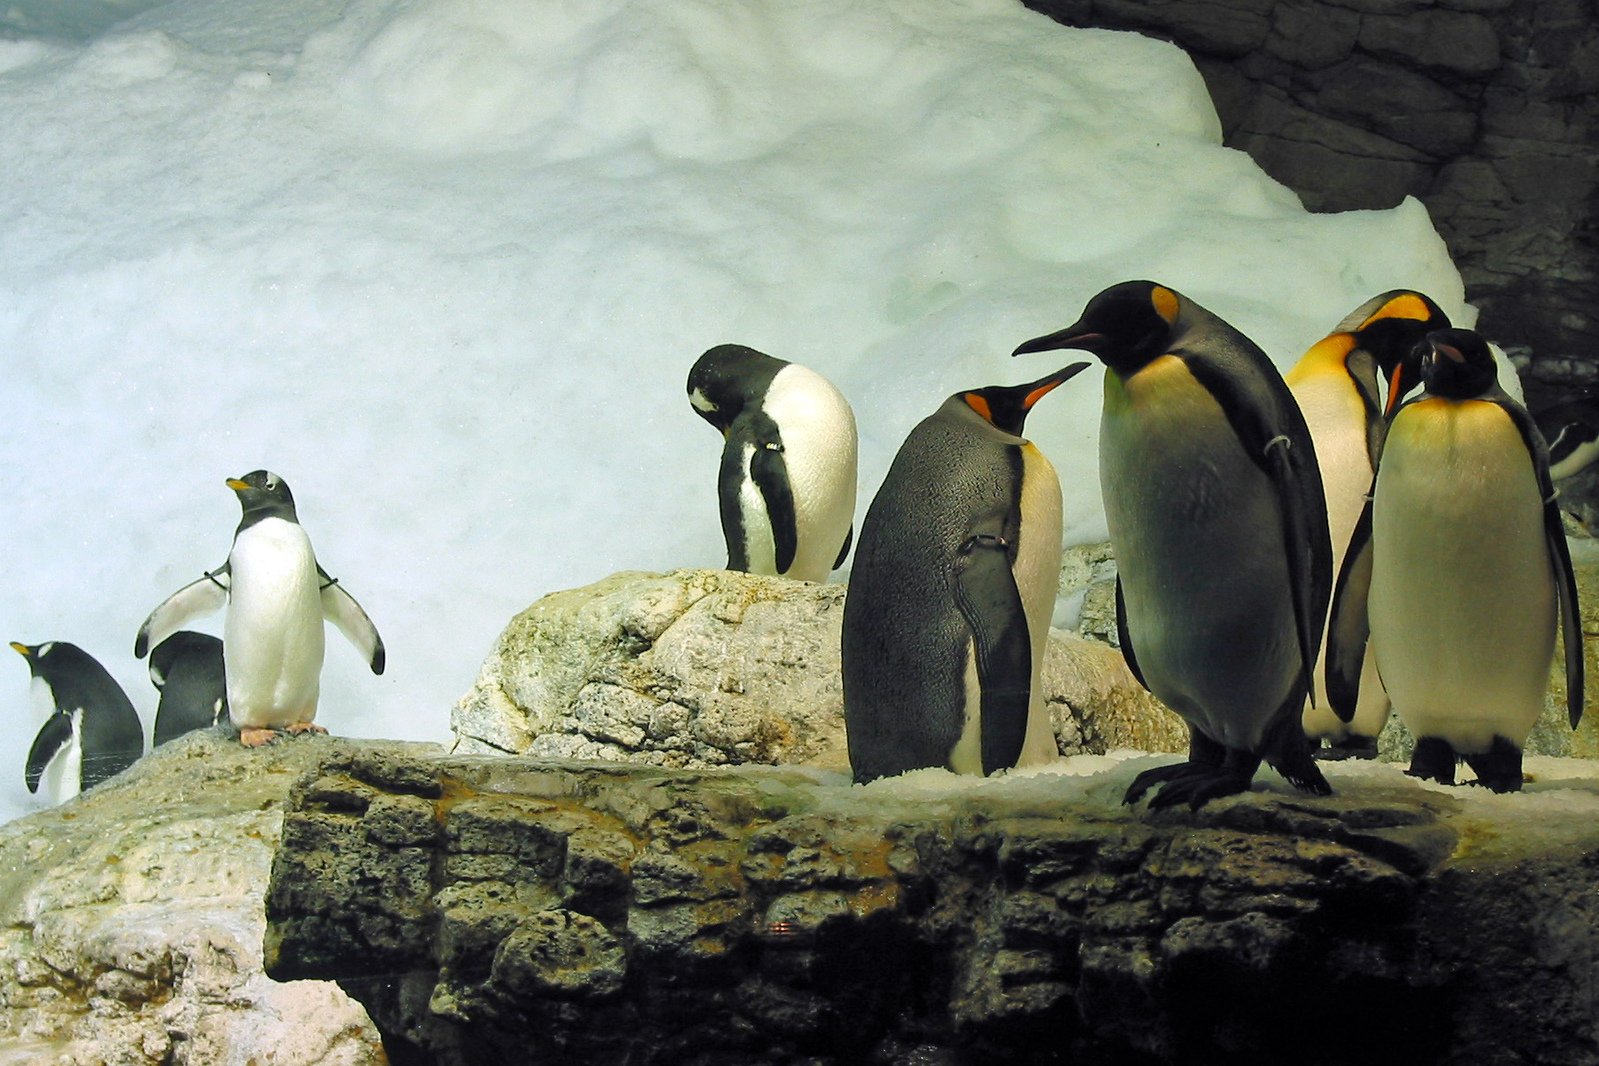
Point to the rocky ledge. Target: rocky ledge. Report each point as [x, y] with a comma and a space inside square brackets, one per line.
[492, 909]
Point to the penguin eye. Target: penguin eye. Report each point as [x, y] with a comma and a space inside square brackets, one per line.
[271, 483]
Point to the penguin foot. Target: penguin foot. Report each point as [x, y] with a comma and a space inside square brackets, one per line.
[1351, 748]
[252, 737]
[1193, 783]
[301, 728]
[1434, 760]
[1499, 768]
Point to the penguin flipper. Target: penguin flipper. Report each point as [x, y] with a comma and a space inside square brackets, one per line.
[205, 596]
[769, 471]
[843, 551]
[1348, 628]
[1124, 639]
[55, 734]
[340, 608]
[990, 602]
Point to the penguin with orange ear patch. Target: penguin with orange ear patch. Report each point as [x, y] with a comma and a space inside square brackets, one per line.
[951, 594]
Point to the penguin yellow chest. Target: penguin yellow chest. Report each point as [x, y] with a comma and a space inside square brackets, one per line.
[273, 637]
[1462, 603]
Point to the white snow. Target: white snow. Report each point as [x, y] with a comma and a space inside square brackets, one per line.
[444, 265]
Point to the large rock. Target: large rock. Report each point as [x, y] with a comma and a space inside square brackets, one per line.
[131, 921]
[700, 668]
[490, 910]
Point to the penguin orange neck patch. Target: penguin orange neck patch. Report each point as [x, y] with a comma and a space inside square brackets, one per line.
[980, 405]
[1407, 305]
[1166, 303]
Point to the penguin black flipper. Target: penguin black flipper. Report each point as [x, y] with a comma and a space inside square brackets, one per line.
[53, 736]
[990, 602]
[769, 471]
[843, 551]
[1348, 628]
[1264, 415]
[1124, 638]
[1559, 553]
[197, 598]
[340, 608]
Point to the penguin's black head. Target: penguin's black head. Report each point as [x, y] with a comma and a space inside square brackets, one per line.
[181, 646]
[726, 379]
[51, 658]
[263, 494]
[1126, 326]
[34, 653]
[1458, 365]
[1393, 327]
[1005, 407]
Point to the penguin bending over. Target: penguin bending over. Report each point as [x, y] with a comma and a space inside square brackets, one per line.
[951, 593]
[93, 732]
[187, 670]
[787, 482]
[1218, 522]
[1458, 573]
[1336, 384]
[277, 597]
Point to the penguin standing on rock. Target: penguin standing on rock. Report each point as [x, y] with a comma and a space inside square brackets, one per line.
[187, 670]
[787, 482]
[1336, 384]
[277, 597]
[951, 593]
[1459, 567]
[93, 732]
[1218, 522]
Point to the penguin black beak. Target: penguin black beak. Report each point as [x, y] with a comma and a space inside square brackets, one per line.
[1045, 385]
[1072, 336]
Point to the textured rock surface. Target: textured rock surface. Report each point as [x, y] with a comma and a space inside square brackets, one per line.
[489, 910]
[131, 922]
[701, 668]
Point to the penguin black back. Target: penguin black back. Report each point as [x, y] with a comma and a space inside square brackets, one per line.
[91, 710]
[187, 670]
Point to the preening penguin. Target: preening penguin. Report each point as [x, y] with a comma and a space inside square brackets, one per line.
[1336, 384]
[951, 593]
[93, 732]
[187, 670]
[1571, 429]
[787, 482]
[277, 597]
[1219, 527]
[1460, 568]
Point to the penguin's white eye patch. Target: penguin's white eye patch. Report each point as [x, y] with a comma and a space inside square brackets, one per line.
[701, 402]
[45, 648]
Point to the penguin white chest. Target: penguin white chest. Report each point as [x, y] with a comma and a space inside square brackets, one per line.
[819, 451]
[273, 638]
[63, 774]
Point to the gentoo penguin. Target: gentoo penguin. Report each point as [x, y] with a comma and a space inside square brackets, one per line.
[92, 733]
[186, 669]
[951, 593]
[277, 596]
[1219, 527]
[1460, 569]
[1336, 384]
[1571, 429]
[787, 482]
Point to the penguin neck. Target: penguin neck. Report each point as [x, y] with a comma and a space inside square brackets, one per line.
[255, 515]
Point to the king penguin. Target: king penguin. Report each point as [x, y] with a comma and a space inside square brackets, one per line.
[1219, 527]
[1459, 572]
[187, 670]
[93, 732]
[277, 597]
[951, 593]
[787, 481]
[1337, 385]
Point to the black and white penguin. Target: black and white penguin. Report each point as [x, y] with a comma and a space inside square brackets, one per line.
[951, 594]
[93, 732]
[277, 597]
[1571, 430]
[1219, 528]
[1338, 385]
[787, 481]
[187, 670]
[1459, 567]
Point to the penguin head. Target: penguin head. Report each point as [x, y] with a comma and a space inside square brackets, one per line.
[1005, 407]
[1393, 327]
[33, 653]
[726, 379]
[1127, 326]
[1458, 365]
[182, 645]
[263, 494]
[53, 659]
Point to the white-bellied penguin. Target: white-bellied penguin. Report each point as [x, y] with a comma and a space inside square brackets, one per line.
[1338, 384]
[92, 733]
[187, 670]
[1459, 573]
[1219, 527]
[787, 482]
[1571, 430]
[951, 593]
[276, 596]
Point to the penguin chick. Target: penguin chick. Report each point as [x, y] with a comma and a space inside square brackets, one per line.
[951, 593]
[187, 670]
[1458, 573]
[787, 481]
[1336, 384]
[276, 596]
[93, 732]
[1219, 527]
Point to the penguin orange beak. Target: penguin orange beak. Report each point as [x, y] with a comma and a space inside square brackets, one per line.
[1393, 389]
[20, 648]
[236, 485]
[1044, 386]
